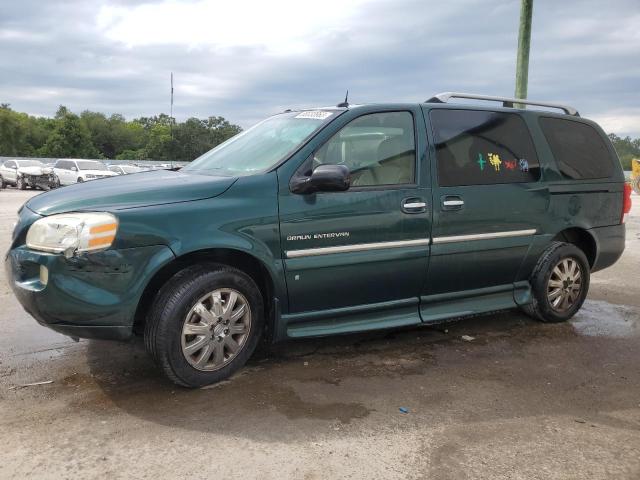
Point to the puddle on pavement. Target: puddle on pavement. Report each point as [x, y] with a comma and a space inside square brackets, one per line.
[602, 319]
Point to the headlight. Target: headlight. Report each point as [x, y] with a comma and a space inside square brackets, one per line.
[73, 232]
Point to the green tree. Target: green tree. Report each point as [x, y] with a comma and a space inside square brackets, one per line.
[69, 138]
[627, 149]
[111, 135]
[160, 145]
[195, 137]
[96, 135]
[13, 132]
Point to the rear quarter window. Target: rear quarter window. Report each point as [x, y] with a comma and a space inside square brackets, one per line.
[475, 147]
[578, 148]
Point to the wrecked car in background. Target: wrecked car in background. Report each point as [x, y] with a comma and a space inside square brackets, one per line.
[27, 173]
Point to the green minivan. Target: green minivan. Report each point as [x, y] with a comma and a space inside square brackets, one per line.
[326, 221]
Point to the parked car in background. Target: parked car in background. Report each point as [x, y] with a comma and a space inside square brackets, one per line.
[125, 169]
[69, 171]
[26, 173]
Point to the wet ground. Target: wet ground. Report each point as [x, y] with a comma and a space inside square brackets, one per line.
[523, 400]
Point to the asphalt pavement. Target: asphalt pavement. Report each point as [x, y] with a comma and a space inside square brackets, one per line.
[516, 399]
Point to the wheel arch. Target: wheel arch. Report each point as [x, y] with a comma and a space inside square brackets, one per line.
[239, 259]
[582, 239]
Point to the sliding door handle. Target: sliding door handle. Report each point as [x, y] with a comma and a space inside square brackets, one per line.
[452, 202]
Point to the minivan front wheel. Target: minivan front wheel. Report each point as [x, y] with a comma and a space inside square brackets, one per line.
[204, 324]
[559, 283]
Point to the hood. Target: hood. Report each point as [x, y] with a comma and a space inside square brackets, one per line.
[127, 191]
[35, 170]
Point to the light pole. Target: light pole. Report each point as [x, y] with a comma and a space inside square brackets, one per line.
[524, 42]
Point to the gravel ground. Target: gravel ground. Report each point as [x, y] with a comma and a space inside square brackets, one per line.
[523, 400]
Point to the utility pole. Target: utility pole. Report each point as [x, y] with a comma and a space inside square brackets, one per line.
[524, 42]
[171, 120]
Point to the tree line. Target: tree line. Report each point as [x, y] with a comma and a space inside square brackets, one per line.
[628, 148]
[96, 135]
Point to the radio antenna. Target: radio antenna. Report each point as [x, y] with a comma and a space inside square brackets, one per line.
[346, 100]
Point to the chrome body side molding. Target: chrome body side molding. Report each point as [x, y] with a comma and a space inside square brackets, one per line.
[484, 236]
[362, 247]
[356, 247]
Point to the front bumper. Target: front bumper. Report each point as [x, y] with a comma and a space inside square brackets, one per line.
[45, 181]
[90, 296]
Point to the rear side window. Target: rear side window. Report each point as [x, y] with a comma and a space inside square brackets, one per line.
[483, 148]
[578, 149]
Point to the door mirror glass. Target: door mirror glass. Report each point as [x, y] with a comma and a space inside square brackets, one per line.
[324, 178]
[74, 169]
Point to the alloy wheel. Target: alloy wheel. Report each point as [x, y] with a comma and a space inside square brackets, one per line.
[565, 285]
[216, 329]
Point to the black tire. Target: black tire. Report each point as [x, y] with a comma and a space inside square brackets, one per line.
[56, 182]
[21, 184]
[541, 308]
[163, 328]
[80, 180]
[2, 184]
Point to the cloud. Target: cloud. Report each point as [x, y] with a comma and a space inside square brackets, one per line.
[245, 60]
[280, 27]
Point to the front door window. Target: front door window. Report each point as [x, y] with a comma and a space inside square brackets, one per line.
[379, 149]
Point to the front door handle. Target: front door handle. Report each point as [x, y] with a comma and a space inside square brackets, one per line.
[413, 205]
[452, 202]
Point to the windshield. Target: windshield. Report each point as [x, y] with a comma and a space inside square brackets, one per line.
[263, 145]
[29, 163]
[89, 165]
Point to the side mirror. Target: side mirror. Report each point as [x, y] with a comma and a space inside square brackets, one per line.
[325, 178]
[74, 169]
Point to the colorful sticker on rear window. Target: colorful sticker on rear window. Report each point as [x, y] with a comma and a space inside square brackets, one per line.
[494, 160]
[314, 114]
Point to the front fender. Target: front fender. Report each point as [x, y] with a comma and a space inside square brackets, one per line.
[243, 219]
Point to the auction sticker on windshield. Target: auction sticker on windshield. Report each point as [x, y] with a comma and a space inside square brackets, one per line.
[314, 114]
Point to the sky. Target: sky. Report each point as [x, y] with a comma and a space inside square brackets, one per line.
[246, 60]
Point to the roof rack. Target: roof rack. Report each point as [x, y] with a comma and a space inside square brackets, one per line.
[506, 102]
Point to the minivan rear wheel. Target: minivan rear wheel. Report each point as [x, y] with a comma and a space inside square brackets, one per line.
[559, 283]
[204, 324]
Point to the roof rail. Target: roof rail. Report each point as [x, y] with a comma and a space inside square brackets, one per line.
[506, 102]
